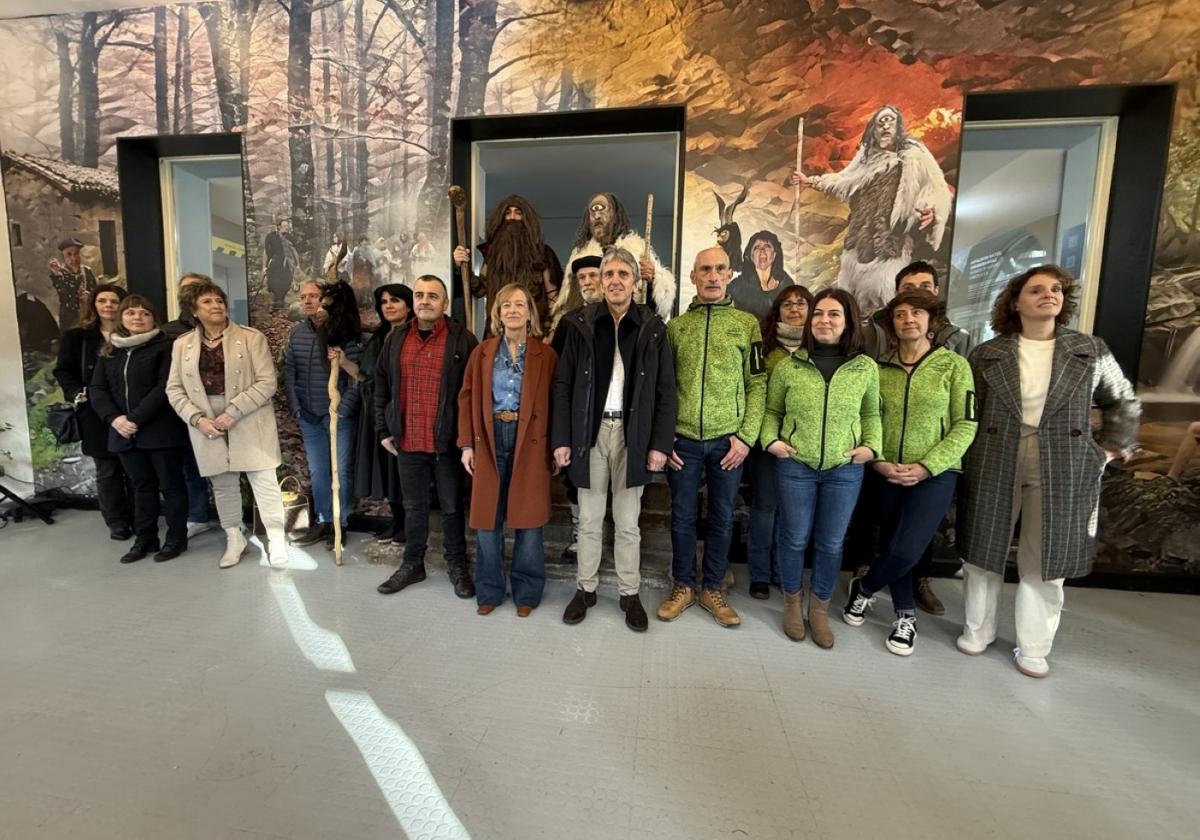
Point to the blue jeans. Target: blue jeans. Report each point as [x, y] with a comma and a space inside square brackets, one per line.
[701, 462]
[762, 562]
[316, 448]
[908, 519]
[199, 508]
[817, 504]
[528, 572]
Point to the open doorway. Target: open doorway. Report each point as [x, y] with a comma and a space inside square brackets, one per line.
[559, 160]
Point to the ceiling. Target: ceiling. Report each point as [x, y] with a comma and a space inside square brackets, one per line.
[37, 8]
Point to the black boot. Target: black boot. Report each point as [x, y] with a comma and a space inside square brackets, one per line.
[464, 587]
[406, 575]
[576, 611]
[635, 613]
[313, 534]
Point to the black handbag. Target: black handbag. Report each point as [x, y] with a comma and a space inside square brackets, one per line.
[63, 423]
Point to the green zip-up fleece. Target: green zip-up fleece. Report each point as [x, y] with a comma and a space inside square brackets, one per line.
[823, 420]
[720, 373]
[928, 414]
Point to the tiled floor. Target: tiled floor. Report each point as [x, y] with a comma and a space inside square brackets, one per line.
[178, 701]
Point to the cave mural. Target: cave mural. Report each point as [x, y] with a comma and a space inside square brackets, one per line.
[345, 110]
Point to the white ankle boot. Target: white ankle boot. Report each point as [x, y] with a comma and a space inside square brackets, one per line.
[277, 554]
[235, 547]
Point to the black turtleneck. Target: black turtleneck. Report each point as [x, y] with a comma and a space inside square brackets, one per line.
[828, 358]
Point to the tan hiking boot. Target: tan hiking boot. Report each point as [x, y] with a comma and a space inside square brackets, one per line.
[793, 616]
[680, 599]
[927, 600]
[818, 620]
[714, 601]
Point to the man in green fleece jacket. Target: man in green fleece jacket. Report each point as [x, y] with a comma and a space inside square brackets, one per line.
[721, 382]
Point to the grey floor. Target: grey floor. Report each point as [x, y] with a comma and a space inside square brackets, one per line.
[179, 701]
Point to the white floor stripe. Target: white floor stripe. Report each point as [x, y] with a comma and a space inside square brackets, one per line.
[399, 770]
[324, 648]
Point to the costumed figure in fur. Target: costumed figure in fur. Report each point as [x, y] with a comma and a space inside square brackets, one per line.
[896, 191]
[604, 224]
[514, 251]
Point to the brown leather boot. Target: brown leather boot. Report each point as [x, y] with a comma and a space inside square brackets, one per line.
[793, 616]
[927, 600]
[818, 620]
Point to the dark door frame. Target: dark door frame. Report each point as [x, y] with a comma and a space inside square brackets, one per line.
[598, 121]
[1145, 114]
[138, 175]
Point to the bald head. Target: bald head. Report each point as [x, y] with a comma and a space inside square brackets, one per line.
[711, 274]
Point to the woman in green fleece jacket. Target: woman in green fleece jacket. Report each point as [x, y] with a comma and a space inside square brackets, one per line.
[822, 423]
[928, 397]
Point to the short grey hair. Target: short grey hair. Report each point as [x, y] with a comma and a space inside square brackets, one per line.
[615, 253]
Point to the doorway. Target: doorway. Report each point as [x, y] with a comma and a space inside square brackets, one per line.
[559, 160]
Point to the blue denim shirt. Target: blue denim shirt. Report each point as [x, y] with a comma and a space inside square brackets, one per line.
[506, 378]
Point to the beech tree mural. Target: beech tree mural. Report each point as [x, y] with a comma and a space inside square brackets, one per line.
[345, 108]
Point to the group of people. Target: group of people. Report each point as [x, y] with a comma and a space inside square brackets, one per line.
[829, 415]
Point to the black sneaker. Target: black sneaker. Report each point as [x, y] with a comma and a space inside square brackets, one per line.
[120, 534]
[313, 534]
[386, 535]
[760, 590]
[576, 610]
[903, 636]
[404, 576]
[857, 605]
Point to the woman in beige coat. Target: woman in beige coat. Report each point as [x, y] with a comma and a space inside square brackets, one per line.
[222, 382]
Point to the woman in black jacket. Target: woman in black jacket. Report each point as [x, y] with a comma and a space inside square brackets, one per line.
[77, 353]
[377, 476]
[128, 392]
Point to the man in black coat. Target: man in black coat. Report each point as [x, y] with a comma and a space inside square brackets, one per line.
[613, 423]
[417, 380]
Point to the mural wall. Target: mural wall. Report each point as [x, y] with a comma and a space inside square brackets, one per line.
[345, 108]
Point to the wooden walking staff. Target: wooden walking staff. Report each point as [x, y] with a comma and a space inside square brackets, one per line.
[335, 399]
[458, 197]
[649, 231]
[796, 199]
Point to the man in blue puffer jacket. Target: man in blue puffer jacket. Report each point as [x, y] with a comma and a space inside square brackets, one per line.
[306, 378]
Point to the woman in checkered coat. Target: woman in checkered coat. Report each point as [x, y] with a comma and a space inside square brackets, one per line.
[1036, 459]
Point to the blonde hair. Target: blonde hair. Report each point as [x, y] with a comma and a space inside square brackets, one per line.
[535, 326]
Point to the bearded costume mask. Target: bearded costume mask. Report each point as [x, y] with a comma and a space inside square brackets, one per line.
[515, 248]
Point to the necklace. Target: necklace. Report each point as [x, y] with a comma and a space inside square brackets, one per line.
[214, 339]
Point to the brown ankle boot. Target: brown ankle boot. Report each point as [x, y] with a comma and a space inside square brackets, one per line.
[818, 619]
[793, 616]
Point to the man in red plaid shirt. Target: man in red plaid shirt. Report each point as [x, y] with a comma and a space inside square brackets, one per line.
[417, 381]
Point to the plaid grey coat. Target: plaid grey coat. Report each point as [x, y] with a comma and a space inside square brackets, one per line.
[1083, 374]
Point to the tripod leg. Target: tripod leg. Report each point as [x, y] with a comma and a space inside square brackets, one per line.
[29, 507]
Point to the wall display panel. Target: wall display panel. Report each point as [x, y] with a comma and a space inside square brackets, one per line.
[345, 112]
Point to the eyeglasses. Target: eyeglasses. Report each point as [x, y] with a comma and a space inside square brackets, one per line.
[795, 303]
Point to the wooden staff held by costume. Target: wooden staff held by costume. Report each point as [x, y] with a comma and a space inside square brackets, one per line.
[458, 197]
[645, 255]
[335, 399]
[798, 186]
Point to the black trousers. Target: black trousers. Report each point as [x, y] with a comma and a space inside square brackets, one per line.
[863, 536]
[418, 470]
[114, 493]
[155, 473]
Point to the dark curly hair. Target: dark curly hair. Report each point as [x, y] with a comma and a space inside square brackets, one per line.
[851, 342]
[342, 320]
[770, 321]
[917, 299]
[1006, 321]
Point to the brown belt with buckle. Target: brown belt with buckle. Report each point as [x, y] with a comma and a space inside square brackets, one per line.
[506, 416]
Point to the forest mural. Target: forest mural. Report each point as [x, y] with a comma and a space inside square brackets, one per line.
[345, 110]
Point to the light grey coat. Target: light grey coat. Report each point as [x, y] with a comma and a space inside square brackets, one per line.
[250, 384]
[1083, 374]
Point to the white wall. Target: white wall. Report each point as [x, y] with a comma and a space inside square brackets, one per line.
[19, 468]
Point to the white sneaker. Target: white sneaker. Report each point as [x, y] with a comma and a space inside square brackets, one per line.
[969, 647]
[195, 528]
[1031, 666]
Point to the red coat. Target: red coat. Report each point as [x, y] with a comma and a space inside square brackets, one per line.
[529, 489]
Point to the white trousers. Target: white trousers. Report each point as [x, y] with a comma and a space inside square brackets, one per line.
[1039, 602]
[608, 463]
[227, 493]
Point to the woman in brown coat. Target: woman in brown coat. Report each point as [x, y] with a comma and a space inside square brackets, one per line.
[503, 432]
